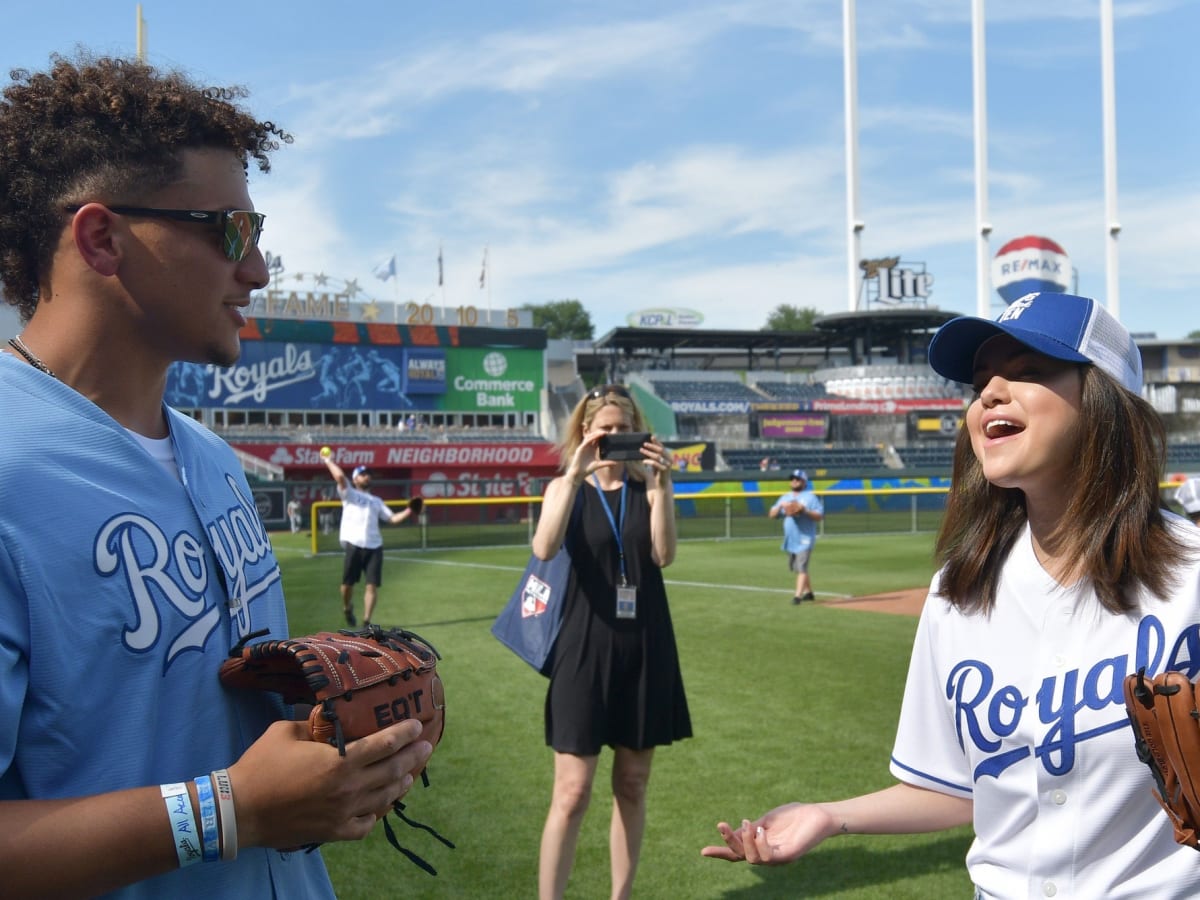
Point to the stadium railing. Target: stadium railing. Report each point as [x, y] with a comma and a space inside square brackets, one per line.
[450, 523]
[703, 515]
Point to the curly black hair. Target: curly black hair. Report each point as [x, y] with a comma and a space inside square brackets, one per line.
[107, 129]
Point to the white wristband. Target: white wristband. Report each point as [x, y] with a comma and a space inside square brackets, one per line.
[183, 823]
[229, 837]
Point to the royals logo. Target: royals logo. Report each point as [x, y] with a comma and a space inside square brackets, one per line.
[169, 577]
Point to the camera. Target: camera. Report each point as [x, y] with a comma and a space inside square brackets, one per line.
[623, 445]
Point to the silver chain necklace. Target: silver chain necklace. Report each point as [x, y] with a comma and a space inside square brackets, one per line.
[19, 345]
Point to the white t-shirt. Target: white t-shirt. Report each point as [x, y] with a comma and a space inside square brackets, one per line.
[1023, 712]
[361, 514]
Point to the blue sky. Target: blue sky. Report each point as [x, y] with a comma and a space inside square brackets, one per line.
[687, 154]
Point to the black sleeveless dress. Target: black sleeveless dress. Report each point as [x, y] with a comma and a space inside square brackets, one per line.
[614, 682]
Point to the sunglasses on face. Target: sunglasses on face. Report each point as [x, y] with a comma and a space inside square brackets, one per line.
[240, 228]
[603, 390]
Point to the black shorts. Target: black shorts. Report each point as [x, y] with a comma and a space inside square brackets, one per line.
[359, 560]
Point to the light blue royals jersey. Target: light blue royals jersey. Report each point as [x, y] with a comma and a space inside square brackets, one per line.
[121, 592]
[800, 532]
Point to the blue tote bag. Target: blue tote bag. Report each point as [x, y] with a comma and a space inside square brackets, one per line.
[529, 623]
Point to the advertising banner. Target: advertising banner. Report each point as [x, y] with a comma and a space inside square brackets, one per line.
[934, 425]
[413, 455]
[333, 377]
[493, 380]
[794, 425]
[848, 407]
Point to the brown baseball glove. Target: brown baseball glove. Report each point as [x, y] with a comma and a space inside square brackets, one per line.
[357, 682]
[790, 508]
[416, 504]
[1166, 732]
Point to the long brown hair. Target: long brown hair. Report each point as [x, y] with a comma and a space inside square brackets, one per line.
[1113, 523]
[581, 417]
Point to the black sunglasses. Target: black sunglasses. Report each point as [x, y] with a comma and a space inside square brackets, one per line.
[603, 390]
[240, 228]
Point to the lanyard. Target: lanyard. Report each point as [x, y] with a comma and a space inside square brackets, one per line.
[618, 524]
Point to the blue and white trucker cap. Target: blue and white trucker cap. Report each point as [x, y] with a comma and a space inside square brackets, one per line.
[1062, 326]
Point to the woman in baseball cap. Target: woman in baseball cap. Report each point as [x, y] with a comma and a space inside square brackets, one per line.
[1061, 574]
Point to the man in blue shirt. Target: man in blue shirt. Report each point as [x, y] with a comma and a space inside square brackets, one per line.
[801, 510]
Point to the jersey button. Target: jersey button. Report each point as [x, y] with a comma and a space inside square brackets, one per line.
[1049, 889]
[1059, 797]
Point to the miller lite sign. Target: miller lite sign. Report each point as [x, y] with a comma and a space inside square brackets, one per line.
[1028, 265]
[887, 282]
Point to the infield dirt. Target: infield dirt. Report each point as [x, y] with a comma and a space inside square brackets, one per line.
[902, 603]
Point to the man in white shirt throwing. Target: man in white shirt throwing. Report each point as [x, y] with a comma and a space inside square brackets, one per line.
[360, 537]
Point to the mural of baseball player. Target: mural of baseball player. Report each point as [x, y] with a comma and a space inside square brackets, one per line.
[327, 377]
[1061, 574]
[186, 390]
[391, 379]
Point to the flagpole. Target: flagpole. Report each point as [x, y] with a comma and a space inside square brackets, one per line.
[396, 294]
[441, 277]
[485, 281]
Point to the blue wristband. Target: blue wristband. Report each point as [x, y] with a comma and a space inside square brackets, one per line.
[183, 823]
[208, 819]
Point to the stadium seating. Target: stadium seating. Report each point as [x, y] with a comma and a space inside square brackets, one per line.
[791, 390]
[927, 456]
[694, 391]
[1183, 455]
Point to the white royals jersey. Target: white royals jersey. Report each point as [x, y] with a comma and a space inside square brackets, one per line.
[361, 514]
[1023, 712]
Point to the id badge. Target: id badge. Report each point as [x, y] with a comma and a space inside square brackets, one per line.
[627, 602]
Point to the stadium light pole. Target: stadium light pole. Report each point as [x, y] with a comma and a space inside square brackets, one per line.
[854, 224]
[1109, 99]
[983, 256]
[141, 35]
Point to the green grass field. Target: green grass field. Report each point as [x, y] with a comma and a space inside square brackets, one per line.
[788, 703]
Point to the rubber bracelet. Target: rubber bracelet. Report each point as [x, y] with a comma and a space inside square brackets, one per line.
[183, 823]
[208, 819]
[229, 835]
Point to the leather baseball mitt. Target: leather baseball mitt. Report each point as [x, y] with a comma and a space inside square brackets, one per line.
[358, 682]
[790, 508]
[1166, 732]
[416, 504]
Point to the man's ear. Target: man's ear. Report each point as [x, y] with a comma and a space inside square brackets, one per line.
[97, 236]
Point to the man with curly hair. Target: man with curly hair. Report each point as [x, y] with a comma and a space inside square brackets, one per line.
[128, 241]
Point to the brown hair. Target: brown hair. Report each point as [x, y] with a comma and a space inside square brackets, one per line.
[101, 129]
[581, 417]
[1113, 522]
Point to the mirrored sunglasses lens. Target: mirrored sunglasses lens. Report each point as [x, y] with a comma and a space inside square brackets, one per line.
[242, 231]
[605, 389]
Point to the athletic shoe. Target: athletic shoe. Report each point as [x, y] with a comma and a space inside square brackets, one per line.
[809, 596]
[796, 601]
[350, 620]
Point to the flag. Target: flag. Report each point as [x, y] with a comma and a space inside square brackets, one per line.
[483, 271]
[386, 269]
[439, 266]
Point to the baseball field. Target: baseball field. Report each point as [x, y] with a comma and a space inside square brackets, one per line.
[787, 702]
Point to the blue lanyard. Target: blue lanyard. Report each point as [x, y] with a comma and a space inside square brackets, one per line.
[618, 524]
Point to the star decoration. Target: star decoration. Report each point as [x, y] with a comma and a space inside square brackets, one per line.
[321, 278]
[352, 287]
[370, 311]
